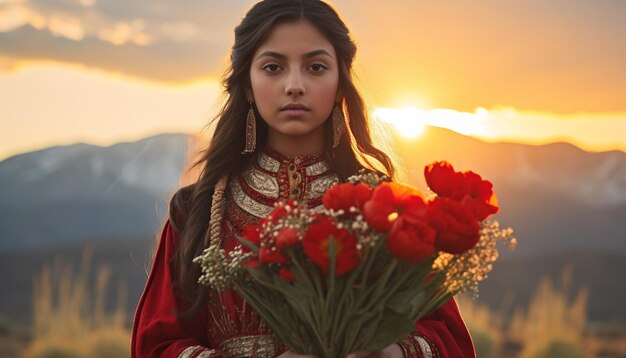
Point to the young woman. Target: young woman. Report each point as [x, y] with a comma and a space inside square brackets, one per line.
[292, 125]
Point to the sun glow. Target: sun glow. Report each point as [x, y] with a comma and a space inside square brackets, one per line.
[410, 122]
[406, 121]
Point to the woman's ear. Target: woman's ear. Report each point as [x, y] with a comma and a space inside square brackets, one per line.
[249, 95]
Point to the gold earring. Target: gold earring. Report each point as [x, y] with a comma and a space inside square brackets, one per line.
[250, 132]
[339, 124]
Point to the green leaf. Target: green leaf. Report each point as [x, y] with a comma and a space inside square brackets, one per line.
[261, 276]
[404, 302]
[391, 328]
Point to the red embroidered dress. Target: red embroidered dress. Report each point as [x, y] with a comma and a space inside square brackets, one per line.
[228, 327]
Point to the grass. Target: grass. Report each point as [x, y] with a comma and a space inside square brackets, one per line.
[70, 321]
[553, 324]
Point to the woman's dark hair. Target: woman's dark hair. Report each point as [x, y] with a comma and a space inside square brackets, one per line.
[190, 206]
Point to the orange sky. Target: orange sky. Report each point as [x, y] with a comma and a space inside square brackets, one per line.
[118, 70]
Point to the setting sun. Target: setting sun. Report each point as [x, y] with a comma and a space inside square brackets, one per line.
[408, 122]
[411, 122]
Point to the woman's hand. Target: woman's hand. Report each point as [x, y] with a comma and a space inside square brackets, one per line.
[392, 351]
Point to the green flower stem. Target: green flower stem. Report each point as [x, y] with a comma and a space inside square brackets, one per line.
[370, 257]
[314, 321]
[328, 312]
[436, 301]
[375, 290]
[267, 313]
[344, 304]
[385, 296]
[375, 293]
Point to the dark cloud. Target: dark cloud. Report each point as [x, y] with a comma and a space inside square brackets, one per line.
[164, 61]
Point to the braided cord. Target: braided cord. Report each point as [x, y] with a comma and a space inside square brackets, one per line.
[217, 212]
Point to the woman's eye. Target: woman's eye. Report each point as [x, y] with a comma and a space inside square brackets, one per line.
[317, 67]
[272, 67]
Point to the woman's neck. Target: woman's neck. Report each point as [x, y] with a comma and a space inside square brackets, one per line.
[294, 146]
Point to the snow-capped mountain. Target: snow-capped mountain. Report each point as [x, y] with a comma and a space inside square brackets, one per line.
[79, 191]
[557, 197]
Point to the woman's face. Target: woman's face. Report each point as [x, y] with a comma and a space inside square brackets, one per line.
[294, 77]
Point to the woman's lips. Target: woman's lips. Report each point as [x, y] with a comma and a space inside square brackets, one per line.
[294, 109]
[294, 112]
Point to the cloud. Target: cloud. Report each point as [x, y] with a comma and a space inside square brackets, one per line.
[66, 26]
[158, 41]
[124, 32]
[556, 55]
[177, 62]
[15, 14]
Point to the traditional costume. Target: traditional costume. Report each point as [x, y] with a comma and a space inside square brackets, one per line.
[227, 326]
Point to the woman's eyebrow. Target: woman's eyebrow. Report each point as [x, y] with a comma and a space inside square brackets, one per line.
[306, 55]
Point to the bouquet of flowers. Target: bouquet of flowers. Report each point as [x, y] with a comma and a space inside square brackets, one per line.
[359, 273]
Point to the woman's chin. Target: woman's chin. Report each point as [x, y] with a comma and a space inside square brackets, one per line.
[295, 131]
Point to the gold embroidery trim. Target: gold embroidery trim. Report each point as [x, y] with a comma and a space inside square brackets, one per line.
[317, 169]
[207, 354]
[250, 346]
[295, 180]
[408, 348]
[189, 351]
[192, 350]
[318, 187]
[268, 163]
[262, 183]
[424, 346]
[246, 203]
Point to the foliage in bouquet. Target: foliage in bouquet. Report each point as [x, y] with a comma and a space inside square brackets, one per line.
[359, 273]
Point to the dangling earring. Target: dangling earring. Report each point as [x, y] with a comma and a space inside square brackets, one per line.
[250, 131]
[339, 124]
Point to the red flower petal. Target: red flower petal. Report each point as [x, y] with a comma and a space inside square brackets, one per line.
[345, 195]
[253, 264]
[413, 209]
[478, 198]
[443, 180]
[411, 242]
[480, 209]
[457, 230]
[286, 274]
[287, 237]
[390, 201]
[251, 233]
[381, 205]
[280, 211]
[316, 246]
[269, 256]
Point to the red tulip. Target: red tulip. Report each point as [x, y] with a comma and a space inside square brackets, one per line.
[411, 241]
[345, 195]
[457, 230]
[316, 244]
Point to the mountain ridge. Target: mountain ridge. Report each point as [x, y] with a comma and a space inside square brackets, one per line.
[84, 191]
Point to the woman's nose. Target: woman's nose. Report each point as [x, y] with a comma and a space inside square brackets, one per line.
[294, 85]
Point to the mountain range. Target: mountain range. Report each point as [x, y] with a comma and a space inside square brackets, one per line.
[567, 207]
[81, 192]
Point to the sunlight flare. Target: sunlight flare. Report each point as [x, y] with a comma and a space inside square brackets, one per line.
[406, 121]
[411, 122]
